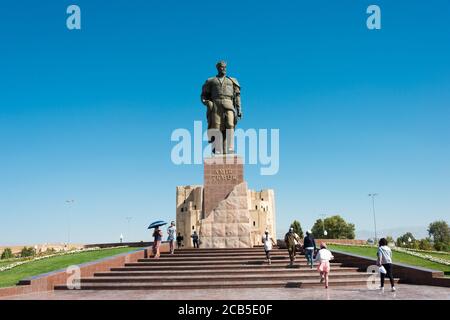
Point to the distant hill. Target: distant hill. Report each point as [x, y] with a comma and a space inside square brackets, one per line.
[418, 232]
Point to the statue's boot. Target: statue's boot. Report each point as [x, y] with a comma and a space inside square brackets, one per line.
[216, 139]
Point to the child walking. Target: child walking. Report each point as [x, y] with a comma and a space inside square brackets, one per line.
[323, 257]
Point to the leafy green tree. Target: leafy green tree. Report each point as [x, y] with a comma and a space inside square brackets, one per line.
[7, 254]
[425, 244]
[318, 229]
[407, 240]
[50, 251]
[297, 228]
[440, 232]
[336, 228]
[27, 252]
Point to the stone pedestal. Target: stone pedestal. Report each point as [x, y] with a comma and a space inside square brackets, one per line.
[221, 174]
[226, 222]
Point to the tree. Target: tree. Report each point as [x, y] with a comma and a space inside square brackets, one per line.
[317, 229]
[407, 240]
[336, 228]
[425, 244]
[297, 228]
[27, 252]
[440, 232]
[50, 251]
[7, 254]
[390, 239]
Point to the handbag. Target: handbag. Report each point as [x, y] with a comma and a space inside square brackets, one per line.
[382, 270]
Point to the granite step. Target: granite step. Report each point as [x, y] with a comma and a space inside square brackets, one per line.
[294, 283]
[161, 262]
[208, 278]
[224, 254]
[200, 267]
[220, 258]
[261, 271]
[219, 268]
[237, 250]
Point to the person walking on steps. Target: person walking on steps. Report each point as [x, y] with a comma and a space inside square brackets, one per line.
[157, 237]
[291, 239]
[171, 231]
[194, 237]
[179, 240]
[323, 257]
[384, 259]
[309, 244]
[268, 241]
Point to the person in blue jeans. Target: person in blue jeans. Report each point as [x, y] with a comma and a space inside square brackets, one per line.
[309, 244]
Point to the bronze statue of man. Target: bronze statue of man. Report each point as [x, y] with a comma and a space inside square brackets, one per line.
[222, 97]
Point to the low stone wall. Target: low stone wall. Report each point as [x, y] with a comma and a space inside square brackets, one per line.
[405, 273]
[47, 281]
[281, 244]
[342, 241]
[118, 244]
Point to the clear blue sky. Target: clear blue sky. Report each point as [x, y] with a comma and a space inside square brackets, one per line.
[87, 115]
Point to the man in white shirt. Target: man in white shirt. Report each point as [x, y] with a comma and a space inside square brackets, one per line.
[171, 231]
[267, 240]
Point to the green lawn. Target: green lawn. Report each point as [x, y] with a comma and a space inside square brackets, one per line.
[399, 257]
[11, 277]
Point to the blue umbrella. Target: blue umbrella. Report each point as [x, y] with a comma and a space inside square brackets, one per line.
[157, 224]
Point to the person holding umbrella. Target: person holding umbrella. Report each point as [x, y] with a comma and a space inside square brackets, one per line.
[157, 237]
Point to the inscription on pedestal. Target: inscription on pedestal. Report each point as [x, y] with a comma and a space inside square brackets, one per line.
[221, 175]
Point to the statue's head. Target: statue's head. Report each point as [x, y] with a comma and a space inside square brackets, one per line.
[221, 67]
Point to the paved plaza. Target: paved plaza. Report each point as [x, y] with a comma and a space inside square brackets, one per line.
[404, 292]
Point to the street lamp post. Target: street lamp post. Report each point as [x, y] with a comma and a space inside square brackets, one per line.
[373, 195]
[323, 224]
[70, 203]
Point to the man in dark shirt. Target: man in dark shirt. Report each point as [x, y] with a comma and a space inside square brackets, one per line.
[195, 239]
[180, 239]
[309, 244]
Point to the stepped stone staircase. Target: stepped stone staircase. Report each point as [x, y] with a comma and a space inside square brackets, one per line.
[218, 268]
